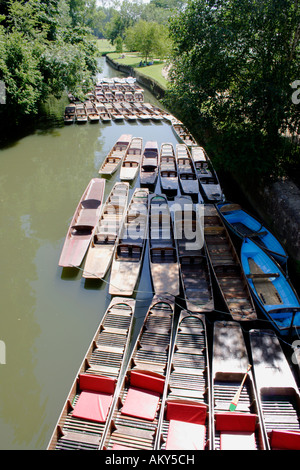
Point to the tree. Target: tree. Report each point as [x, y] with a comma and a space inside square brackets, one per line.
[234, 62]
[148, 38]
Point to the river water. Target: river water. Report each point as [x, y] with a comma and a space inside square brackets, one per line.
[49, 316]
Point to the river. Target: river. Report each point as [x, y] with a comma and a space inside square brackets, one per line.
[49, 316]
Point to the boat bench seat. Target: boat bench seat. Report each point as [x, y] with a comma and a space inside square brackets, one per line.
[284, 439]
[237, 430]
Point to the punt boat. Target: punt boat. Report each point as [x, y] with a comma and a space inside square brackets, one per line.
[207, 176]
[103, 113]
[69, 116]
[164, 266]
[187, 173]
[191, 252]
[227, 268]
[89, 403]
[272, 291]
[113, 160]
[277, 391]
[91, 111]
[168, 170]
[242, 224]
[116, 112]
[128, 256]
[236, 423]
[135, 416]
[132, 160]
[185, 412]
[149, 165]
[183, 134]
[82, 225]
[104, 239]
[81, 116]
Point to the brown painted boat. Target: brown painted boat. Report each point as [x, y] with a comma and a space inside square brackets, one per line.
[227, 268]
[90, 400]
[82, 225]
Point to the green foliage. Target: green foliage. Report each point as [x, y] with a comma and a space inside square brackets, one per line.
[234, 62]
[150, 39]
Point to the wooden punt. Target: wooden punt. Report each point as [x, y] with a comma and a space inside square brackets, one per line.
[129, 96]
[164, 266]
[149, 165]
[82, 225]
[241, 428]
[103, 113]
[277, 391]
[81, 116]
[273, 293]
[187, 173]
[185, 412]
[69, 116]
[116, 112]
[141, 112]
[139, 96]
[135, 417]
[243, 225]
[128, 256]
[168, 170]
[183, 134]
[80, 425]
[113, 160]
[227, 268]
[104, 239]
[191, 252]
[91, 111]
[128, 111]
[207, 176]
[132, 160]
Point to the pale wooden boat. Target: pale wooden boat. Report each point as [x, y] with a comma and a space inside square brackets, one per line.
[128, 111]
[164, 266]
[135, 418]
[149, 165]
[128, 256]
[227, 268]
[168, 170]
[277, 391]
[82, 225]
[192, 256]
[132, 160]
[91, 111]
[138, 96]
[81, 423]
[241, 428]
[129, 96]
[185, 411]
[116, 112]
[141, 112]
[207, 176]
[183, 134]
[114, 159]
[105, 236]
[187, 173]
[81, 116]
[103, 113]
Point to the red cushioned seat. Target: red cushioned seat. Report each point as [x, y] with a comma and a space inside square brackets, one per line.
[241, 440]
[141, 403]
[284, 440]
[187, 411]
[93, 406]
[185, 436]
[237, 430]
[97, 383]
[147, 380]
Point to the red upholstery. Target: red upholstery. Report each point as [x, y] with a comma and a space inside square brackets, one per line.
[93, 406]
[147, 380]
[97, 383]
[141, 403]
[237, 440]
[235, 421]
[186, 411]
[185, 436]
[287, 440]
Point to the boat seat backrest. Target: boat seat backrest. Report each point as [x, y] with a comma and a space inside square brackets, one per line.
[147, 380]
[235, 421]
[96, 383]
[186, 411]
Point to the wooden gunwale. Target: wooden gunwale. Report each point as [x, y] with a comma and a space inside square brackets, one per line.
[186, 171]
[113, 160]
[168, 169]
[132, 160]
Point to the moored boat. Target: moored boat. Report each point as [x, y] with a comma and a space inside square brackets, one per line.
[187, 173]
[114, 159]
[207, 176]
[132, 160]
[227, 267]
[135, 417]
[193, 261]
[168, 170]
[91, 398]
[69, 116]
[236, 420]
[271, 290]
[104, 239]
[164, 266]
[82, 225]
[128, 256]
[149, 165]
[245, 225]
[185, 413]
[277, 391]
[91, 111]
[81, 116]
[183, 134]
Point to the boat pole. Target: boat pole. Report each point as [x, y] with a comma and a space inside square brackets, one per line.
[236, 397]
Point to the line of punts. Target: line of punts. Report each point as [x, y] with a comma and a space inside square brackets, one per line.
[175, 387]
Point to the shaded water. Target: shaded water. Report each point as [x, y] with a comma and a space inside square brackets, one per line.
[49, 315]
